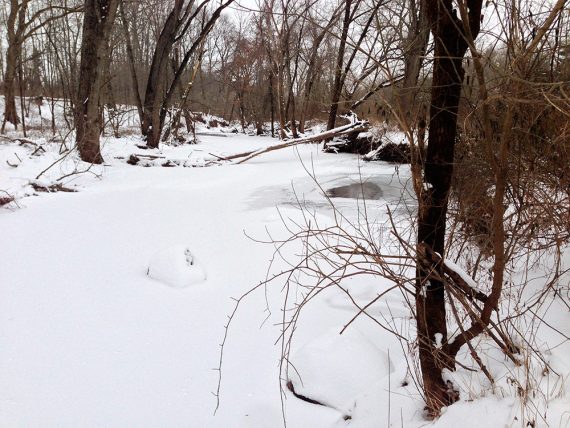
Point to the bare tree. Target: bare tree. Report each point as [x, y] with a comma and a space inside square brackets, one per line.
[23, 21]
[99, 17]
[181, 17]
[450, 38]
[352, 9]
[318, 34]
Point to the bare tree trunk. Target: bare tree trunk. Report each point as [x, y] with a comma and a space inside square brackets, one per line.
[19, 27]
[97, 25]
[450, 47]
[16, 16]
[414, 52]
[108, 96]
[21, 90]
[312, 71]
[337, 86]
[182, 108]
[131, 57]
[10, 112]
[153, 120]
[272, 103]
[281, 101]
[159, 92]
[290, 110]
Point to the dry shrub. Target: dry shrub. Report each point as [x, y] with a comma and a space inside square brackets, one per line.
[538, 178]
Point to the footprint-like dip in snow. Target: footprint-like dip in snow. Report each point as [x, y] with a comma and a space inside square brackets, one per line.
[176, 266]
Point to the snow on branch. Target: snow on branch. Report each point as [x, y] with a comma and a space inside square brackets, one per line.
[459, 278]
[356, 126]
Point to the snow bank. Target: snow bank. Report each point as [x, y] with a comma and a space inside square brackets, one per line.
[334, 369]
[176, 266]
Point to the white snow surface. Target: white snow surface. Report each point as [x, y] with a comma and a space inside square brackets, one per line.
[335, 369]
[464, 275]
[176, 266]
[88, 339]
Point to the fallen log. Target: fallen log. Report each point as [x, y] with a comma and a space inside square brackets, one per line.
[50, 188]
[5, 200]
[358, 126]
[136, 157]
[22, 141]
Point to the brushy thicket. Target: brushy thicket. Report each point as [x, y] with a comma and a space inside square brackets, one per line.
[538, 173]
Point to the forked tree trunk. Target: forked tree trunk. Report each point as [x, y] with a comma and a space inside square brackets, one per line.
[450, 47]
[99, 16]
[153, 116]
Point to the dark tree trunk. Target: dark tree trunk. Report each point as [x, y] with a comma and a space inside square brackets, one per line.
[450, 47]
[272, 103]
[159, 92]
[290, 110]
[153, 116]
[21, 90]
[281, 101]
[311, 76]
[99, 16]
[15, 25]
[337, 85]
[10, 112]
[241, 108]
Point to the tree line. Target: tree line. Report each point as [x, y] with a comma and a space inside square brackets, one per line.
[479, 89]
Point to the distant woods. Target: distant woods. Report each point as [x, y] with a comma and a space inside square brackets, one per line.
[480, 91]
[286, 62]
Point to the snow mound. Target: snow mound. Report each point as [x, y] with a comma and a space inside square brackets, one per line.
[176, 266]
[334, 369]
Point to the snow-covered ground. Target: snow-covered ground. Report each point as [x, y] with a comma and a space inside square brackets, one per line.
[113, 299]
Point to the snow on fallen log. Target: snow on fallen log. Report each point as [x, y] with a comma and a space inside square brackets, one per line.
[48, 187]
[357, 126]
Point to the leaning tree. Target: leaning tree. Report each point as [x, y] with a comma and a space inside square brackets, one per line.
[161, 84]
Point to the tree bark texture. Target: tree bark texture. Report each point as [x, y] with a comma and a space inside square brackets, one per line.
[159, 92]
[337, 85]
[449, 34]
[15, 26]
[414, 52]
[10, 112]
[132, 65]
[153, 120]
[98, 20]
